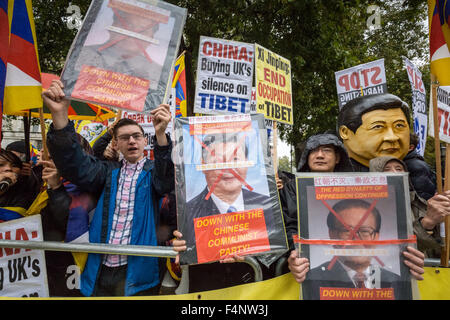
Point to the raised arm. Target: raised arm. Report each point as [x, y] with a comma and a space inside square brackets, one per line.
[87, 172]
[164, 180]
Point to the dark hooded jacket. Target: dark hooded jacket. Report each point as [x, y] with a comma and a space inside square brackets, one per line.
[318, 140]
[421, 175]
[428, 241]
[288, 195]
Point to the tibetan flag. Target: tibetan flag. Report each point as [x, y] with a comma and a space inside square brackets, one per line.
[33, 154]
[78, 223]
[23, 75]
[11, 213]
[439, 26]
[179, 83]
[4, 45]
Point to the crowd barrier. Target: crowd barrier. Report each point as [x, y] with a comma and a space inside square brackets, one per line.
[435, 286]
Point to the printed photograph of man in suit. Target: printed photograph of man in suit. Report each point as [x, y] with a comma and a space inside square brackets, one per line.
[349, 271]
[228, 191]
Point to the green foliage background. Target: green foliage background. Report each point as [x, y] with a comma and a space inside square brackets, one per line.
[319, 37]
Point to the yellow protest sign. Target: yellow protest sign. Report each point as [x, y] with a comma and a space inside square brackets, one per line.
[273, 86]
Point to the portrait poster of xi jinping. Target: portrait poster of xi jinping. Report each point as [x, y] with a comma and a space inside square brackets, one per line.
[227, 199]
[123, 54]
[353, 228]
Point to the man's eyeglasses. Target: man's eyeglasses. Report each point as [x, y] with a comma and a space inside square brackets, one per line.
[126, 137]
[323, 149]
[364, 233]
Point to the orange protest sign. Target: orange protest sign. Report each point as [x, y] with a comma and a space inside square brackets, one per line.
[224, 235]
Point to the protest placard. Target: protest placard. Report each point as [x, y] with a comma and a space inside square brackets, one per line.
[419, 106]
[227, 199]
[224, 76]
[364, 79]
[268, 122]
[146, 122]
[90, 130]
[123, 55]
[273, 86]
[443, 107]
[353, 228]
[23, 272]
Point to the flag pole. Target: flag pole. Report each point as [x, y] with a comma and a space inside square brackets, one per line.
[44, 139]
[26, 130]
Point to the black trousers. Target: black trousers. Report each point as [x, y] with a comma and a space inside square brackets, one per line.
[111, 283]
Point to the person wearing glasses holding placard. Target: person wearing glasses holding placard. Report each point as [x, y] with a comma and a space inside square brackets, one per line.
[127, 208]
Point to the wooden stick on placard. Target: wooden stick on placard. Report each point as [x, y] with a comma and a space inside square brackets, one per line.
[118, 115]
[274, 150]
[445, 254]
[437, 148]
[45, 155]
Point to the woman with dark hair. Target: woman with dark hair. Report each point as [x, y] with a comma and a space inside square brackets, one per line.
[15, 189]
[54, 201]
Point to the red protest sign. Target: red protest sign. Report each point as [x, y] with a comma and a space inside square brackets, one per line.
[224, 235]
[107, 87]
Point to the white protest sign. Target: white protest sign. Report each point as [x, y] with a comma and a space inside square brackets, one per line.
[443, 106]
[23, 272]
[370, 78]
[418, 104]
[224, 77]
[145, 121]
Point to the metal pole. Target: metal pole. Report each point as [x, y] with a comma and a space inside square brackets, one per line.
[134, 250]
[433, 262]
[103, 248]
[255, 265]
[279, 266]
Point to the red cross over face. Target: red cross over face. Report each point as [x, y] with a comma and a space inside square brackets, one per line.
[228, 183]
[364, 229]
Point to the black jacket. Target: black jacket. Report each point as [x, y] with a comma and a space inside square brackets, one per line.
[422, 177]
[100, 145]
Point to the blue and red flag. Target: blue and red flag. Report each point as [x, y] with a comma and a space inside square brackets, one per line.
[4, 45]
[179, 83]
[439, 26]
[22, 88]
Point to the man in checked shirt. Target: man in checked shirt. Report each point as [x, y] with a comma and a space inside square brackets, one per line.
[127, 210]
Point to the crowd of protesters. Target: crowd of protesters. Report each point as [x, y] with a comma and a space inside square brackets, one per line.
[126, 198]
